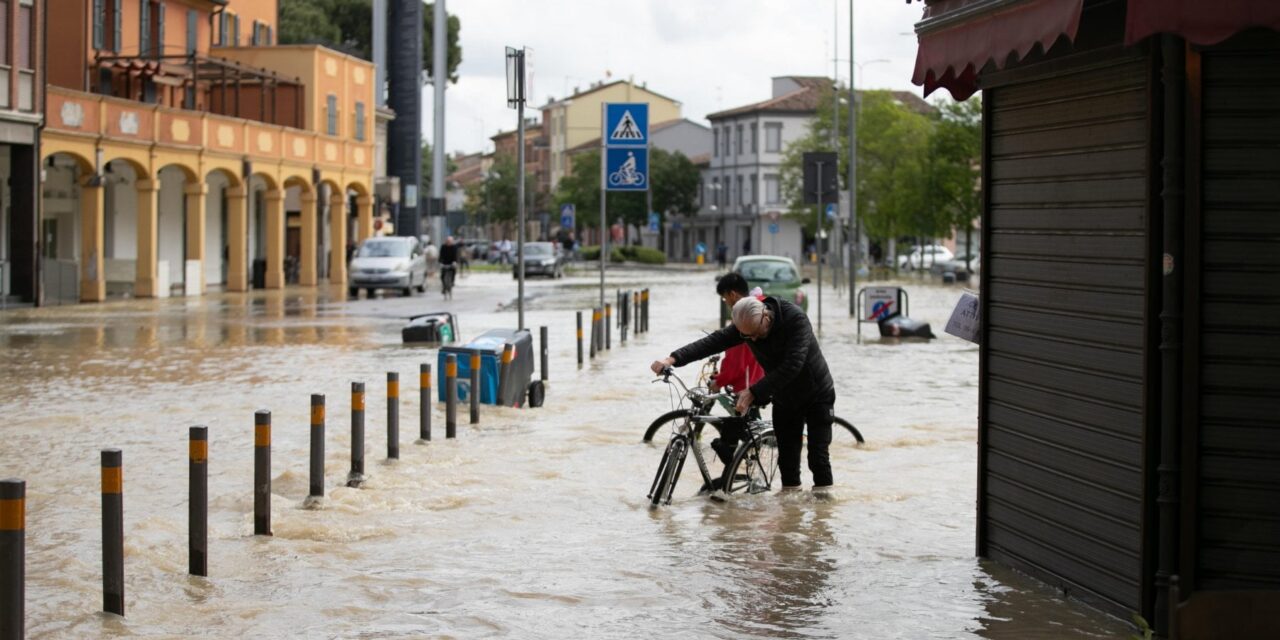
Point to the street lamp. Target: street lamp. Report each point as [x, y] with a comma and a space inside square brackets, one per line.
[716, 187]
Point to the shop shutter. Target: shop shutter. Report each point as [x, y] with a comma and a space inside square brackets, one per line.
[1066, 351]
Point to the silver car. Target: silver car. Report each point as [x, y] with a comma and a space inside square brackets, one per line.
[388, 262]
[541, 258]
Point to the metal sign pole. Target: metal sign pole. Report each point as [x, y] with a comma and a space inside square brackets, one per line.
[604, 231]
[520, 209]
[817, 244]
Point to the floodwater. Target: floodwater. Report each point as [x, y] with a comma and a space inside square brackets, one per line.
[532, 524]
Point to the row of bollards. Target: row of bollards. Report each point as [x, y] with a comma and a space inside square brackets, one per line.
[13, 491]
[632, 317]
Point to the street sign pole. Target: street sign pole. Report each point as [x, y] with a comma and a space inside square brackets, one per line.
[624, 161]
[604, 189]
[516, 98]
[817, 246]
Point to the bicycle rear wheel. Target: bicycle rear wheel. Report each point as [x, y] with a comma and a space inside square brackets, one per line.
[848, 426]
[755, 465]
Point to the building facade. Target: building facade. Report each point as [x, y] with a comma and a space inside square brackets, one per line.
[570, 122]
[184, 149]
[21, 108]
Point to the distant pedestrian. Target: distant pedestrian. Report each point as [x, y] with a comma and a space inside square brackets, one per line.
[746, 246]
[504, 251]
[722, 254]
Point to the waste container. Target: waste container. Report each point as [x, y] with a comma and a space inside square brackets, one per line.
[259, 273]
[897, 325]
[438, 327]
[490, 345]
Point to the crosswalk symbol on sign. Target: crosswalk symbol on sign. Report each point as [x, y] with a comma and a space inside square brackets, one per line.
[626, 129]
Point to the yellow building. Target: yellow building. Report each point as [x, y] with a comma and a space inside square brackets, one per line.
[184, 149]
[576, 119]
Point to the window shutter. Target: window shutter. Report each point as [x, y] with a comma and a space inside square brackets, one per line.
[159, 29]
[144, 26]
[193, 30]
[224, 25]
[360, 121]
[235, 33]
[331, 105]
[116, 27]
[269, 35]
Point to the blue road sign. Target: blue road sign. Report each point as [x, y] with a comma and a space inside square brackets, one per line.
[831, 211]
[773, 228]
[626, 169]
[654, 220]
[626, 124]
[567, 215]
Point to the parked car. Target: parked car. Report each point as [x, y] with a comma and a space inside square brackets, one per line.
[957, 264]
[387, 262]
[924, 257]
[541, 258]
[776, 275]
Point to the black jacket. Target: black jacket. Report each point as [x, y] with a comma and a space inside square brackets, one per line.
[794, 368]
[449, 254]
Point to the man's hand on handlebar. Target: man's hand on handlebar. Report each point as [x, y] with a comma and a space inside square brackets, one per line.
[745, 399]
[659, 365]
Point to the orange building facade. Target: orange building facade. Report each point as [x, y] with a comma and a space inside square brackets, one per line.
[183, 150]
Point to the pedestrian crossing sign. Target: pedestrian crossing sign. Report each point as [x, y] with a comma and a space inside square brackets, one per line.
[626, 124]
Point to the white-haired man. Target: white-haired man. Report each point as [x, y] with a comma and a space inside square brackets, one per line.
[796, 380]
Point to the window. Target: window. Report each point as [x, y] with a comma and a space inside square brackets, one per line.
[224, 28]
[738, 141]
[193, 26]
[715, 141]
[253, 39]
[99, 24]
[4, 31]
[755, 135]
[360, 121]
[158, 34]
[331, 107]
[755, 189]
[725, 139]
[144, 26]
[772, 137]
[25, 29]
[771, 195]
[738, 195]
[715, 189]
[235, 31]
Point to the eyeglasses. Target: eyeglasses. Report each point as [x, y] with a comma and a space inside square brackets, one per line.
[763, 330]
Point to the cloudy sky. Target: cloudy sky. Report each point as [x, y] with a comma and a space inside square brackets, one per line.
[707, 54]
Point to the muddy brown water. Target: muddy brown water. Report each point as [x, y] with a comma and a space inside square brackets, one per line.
[532, 524]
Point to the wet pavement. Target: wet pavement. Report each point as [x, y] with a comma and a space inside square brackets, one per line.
[532, 524]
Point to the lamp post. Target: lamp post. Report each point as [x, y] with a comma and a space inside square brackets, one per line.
[516, 99]
[716, 188]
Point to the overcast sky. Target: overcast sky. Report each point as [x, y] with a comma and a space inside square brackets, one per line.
[707, 54]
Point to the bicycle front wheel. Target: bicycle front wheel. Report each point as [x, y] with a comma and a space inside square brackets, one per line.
[848, 426]
[755, 465]
[672, 462]
[662, 426]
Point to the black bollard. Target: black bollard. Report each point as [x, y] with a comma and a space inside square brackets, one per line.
[393, 415]
[198, 509]
[356, 477]
[579, 339]
[262, 473]
[542, 345]
[424, 396]
[317, 447]
[474, 394]
[644, 309]
[450, 396]
[13, 525]
[594, 317]
[112, 532]
[635, 311]
[608, 325]
[622, 317]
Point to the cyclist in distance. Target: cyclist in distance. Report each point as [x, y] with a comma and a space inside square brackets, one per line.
[448, 265]
[796, 380]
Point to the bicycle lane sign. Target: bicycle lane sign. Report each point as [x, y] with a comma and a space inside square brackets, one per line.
[626, 169]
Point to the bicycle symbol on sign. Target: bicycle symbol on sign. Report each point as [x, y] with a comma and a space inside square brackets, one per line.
[626, 175]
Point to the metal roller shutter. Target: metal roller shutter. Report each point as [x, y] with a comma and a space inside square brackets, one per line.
[1238, 460]
[1066, 344]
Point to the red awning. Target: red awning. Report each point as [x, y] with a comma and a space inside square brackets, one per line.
[959, 37]
[1198, 21]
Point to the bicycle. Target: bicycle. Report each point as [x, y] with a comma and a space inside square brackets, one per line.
[448, 273]
[701, 404]
[752, 468]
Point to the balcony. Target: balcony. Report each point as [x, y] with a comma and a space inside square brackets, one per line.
[201, 83]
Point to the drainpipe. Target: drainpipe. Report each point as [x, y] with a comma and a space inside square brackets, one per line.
[1174, 79]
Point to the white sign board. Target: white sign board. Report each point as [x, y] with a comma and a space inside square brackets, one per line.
[882, 302]
[966, 319]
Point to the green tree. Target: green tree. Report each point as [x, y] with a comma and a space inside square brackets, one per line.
[499, 188]
[346, 25]
[956, 146]
[672, 176]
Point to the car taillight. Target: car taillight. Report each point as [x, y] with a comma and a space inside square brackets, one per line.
[799, 297]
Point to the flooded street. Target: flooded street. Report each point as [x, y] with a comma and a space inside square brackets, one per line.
[532, 524]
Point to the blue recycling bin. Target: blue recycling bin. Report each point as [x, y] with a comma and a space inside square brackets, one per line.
[490, 345]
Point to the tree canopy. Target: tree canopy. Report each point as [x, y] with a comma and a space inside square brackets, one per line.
[672, 176]
[918, 175]
[347, 25]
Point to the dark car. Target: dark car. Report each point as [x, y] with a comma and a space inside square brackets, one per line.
[541, 259]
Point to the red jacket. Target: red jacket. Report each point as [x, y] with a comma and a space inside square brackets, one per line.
[739, 368]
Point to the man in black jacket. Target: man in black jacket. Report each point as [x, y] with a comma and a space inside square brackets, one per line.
[796, 380]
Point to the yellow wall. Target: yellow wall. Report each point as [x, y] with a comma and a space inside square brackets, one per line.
[582, 122]
[325, 72]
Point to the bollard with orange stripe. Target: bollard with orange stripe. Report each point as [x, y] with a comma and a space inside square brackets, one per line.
[13, 525]
[504, 376]
[317, 448]
[424, 397]
[450, 396]
[356, 477]
[579, 339]
[474, 393]
[198, 509]
[262, 473]
[112, 532]
[393, 415]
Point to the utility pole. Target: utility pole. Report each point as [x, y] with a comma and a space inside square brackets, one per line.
[440, 78]
[855, 246]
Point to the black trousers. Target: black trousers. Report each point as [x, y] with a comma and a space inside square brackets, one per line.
[789, 422]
